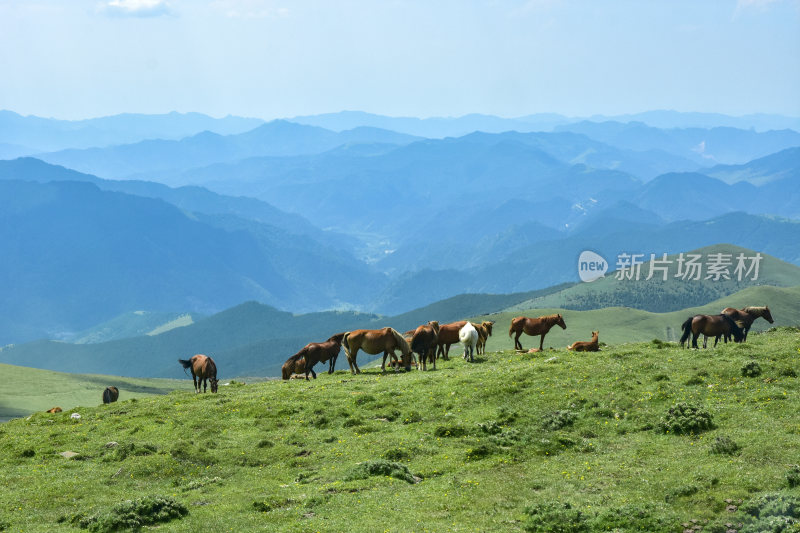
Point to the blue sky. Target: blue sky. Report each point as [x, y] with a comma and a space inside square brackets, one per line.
[282, 58]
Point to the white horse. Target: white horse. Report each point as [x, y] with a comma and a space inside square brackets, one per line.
[468, 336]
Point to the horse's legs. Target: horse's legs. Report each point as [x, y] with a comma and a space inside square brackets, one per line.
[195, 383]
[517, 344]
[694, 339]
[705, 341]
[332, 363]
[446, 355]
[541, 342]
[351, 359]
[716, 339]
[745, 330]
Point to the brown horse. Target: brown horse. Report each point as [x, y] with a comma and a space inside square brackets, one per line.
[313, 353]
[424, 342]
[448, 335]
[484, 332]
[54, 410]
[709, 326]
[375, 341]
[111, 394]
[586, 346]
[745, 317]
[533, 327]
[203, 370]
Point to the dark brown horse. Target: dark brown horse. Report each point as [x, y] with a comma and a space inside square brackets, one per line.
[533, 327]
[313, 353]
[745, 317]
[375, 341]
[448, 335]
[424, 342]
[203, 371]
[710, 326]
[54, 410]
[111, 394]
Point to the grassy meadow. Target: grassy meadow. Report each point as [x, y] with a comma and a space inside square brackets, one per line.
[26, 390]
[637, 437]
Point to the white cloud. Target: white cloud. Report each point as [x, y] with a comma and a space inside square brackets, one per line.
[137, 8]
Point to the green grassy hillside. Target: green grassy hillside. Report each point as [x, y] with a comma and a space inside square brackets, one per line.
[513, 442]
[673, 294]
[134, 324]
[26, 390]
[622, 324]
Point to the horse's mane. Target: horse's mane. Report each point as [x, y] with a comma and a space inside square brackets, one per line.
[401, 341]
[754, 310]
[732, 323]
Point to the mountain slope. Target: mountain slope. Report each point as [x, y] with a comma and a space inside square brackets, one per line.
[153, 157]
[76, 255]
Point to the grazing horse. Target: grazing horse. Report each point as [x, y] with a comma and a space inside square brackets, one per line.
[484, 332]
[586, 346]
[313, 353]
[533, 327]
[110, 394]
[203, 370]
[709, 326]
[448, 335]
[375, 341]
[468, 336]
[745, 317]
[424, 342]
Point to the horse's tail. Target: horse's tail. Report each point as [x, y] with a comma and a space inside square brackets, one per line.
[106, 396]
[687, 330]
[185, 362]
[346, 344]
[511, 327]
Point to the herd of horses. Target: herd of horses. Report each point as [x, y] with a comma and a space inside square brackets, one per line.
[431, 341]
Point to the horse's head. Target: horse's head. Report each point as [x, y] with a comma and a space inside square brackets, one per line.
[488, 325]
[435, 325]
[767, 315]
[214, 382]
[337, 338]
[560, 321]
[736, 331]
[595, 335]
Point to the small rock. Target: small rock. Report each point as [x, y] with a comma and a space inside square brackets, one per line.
[112, 444]
[551, 359]
[68, 454]
[731, 508]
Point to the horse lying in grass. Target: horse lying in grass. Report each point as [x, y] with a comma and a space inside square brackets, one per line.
[311, 354]
[745, 317]
[54, 410]
[204, 371]
[375, 341]
[586, 346]
[709, 326]
[533, 327]
[468, 337]
[111, 394]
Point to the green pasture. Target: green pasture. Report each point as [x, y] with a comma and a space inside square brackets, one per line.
[555, 441]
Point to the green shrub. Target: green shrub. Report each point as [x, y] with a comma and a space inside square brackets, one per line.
[558, 420]
[454, 430]
[412, 417]
[723, 445]
[751, 370]
[787, 372]
[555, 517]
[683, 418]
[268, 504]
[380, 467]
[632, 517]
[396, 454]
[793, 476]
[481, 451]
[773, 512]
[134, 514]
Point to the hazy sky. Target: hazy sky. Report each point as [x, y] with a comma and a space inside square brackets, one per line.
[281, 58]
